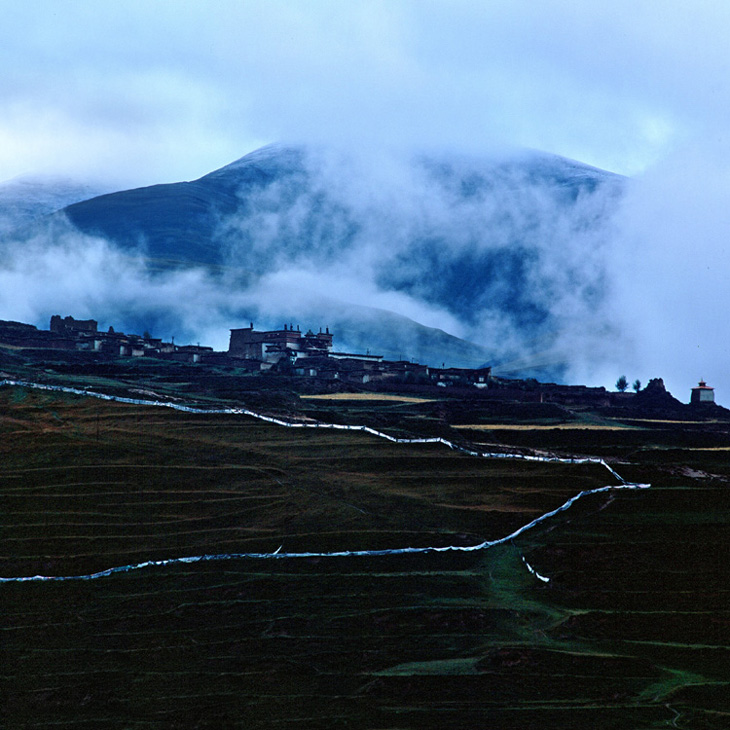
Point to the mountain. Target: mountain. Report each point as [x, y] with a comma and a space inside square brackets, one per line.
[177, 223]
[506, 249]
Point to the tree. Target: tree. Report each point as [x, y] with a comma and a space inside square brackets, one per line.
[637, 385]
[622, 383]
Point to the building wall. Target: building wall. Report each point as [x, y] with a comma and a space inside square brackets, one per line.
[247, 344]
[271, 346]
[61, 326]
[703, 395]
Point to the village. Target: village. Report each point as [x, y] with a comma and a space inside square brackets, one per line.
[287, 351]
[311, 356]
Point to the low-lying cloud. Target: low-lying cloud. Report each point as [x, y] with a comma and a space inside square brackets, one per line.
[627, 277]
[669, 267]
[495, 250]
[61, 271]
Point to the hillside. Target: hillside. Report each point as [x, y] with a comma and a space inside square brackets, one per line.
[592, 618]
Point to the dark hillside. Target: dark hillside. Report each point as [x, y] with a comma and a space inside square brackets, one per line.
[173, 224]
[624, 629]
[176, 223]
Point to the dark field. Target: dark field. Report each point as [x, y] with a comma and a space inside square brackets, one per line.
[632, 631]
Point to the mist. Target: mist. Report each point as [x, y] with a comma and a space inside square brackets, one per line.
[669, 271]
[614, 282]
[58, 270]
[626, 277]
[490, 249]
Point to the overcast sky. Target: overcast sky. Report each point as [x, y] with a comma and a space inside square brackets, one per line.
[143, 91]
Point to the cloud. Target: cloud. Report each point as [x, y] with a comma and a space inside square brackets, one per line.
[57, 269]
[485, 250]
[60, 270]
[490, 249]
[631, 279]
[670, 264]
[141, 93]
[157, 92]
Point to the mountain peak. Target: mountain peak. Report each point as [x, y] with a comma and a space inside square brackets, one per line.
[271, 158]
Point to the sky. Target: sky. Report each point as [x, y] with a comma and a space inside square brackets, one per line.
[137, 92]
[149, 91]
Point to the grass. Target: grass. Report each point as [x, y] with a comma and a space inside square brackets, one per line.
[538, 427]
[629, 632]
[368, 397]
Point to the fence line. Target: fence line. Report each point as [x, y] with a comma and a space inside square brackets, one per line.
[278, 554]
[316, 424]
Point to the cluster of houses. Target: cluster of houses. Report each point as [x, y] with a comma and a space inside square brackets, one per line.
[312, 355]
[83, 335]
[286, 350]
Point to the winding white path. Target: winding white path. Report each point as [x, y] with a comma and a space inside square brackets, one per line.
[278, 554]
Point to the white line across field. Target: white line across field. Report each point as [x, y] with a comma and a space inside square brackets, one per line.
[278, 554]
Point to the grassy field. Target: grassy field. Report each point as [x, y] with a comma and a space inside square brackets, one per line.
[538, 427]
[632, 629]
[385, 397]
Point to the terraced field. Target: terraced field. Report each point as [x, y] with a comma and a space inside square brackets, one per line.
[632, 629]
